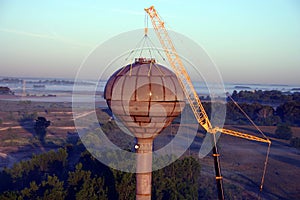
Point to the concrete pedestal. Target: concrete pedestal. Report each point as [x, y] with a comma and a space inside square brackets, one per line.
[144, 169]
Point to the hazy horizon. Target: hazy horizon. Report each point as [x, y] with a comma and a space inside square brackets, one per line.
[255, 42]
[95, 80]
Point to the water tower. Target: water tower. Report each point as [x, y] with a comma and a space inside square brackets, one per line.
[145, 96]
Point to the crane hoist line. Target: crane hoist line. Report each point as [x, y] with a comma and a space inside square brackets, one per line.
[193, 98]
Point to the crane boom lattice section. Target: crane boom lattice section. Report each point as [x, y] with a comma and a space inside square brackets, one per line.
[179, 69]
[242, 135]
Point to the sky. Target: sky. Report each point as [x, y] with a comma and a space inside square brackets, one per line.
[250, 41]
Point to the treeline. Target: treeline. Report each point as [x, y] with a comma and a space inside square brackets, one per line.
[72, 173]
[53, 175]
[263, 115]
[265, 108]
[272, 97]
[11, 80]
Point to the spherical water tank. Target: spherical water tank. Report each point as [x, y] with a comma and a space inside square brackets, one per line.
[145, 96]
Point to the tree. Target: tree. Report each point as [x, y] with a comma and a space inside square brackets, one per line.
[5, 90]
[31, 192]
[53, 188]
[235, 95]
[40, 127]
[83, 185]
[290, 112]
[179, 180]
[283, 131]
[124, 184]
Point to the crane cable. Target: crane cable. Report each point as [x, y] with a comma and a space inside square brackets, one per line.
[144, 44]
[260, 131]
[269, 144]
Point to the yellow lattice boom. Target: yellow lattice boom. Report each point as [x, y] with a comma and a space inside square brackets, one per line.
[185, 80]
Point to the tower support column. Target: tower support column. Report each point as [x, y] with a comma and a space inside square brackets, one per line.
[144, 168]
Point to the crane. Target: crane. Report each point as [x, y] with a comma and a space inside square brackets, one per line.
[193, 99]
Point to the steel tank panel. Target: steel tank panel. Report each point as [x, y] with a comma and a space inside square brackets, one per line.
[145, 96]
